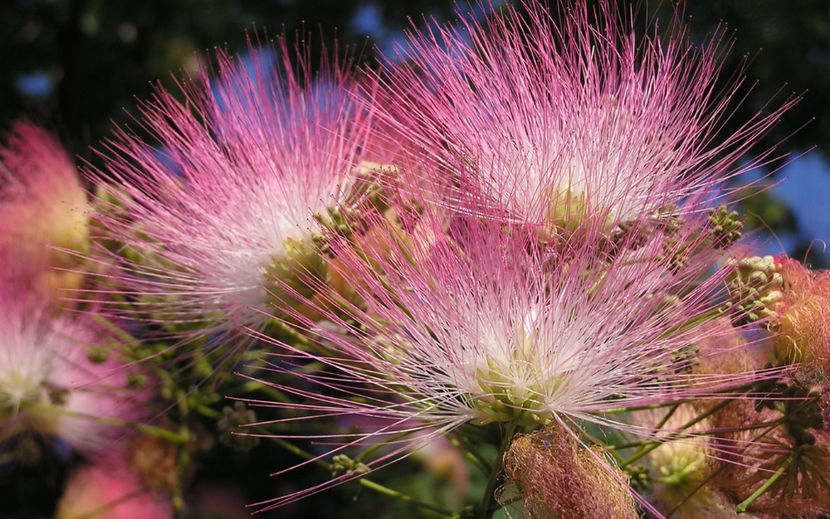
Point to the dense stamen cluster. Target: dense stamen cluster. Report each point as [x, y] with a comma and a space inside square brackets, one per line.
[227, 198]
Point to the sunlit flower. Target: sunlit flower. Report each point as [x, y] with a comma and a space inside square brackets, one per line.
[681, 466]
[227, 195]
[555, 119]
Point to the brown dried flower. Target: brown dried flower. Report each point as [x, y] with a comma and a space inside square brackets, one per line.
[558, 478]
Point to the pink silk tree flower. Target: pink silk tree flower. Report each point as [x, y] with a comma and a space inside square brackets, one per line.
[555, 119]
[43, 207]
[799, 316]
[54, 379]
[480, 324]
[230, 190]
[110, 491]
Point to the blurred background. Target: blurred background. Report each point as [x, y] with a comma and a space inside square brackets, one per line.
[79, 66]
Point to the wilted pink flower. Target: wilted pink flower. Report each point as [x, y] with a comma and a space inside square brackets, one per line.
[42, 206]
[790, 446]
[801, 314]
[109, 491]
[555, 478]
[53, 379]
[555, 120]
[229, 190]
[481, 324]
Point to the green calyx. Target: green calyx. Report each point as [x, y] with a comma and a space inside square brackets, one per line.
[291, 276]
[567, 210]
[503, 394]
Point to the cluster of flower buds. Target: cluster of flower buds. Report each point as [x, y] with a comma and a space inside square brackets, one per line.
[756, 286]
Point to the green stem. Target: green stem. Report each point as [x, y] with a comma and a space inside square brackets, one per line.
[377, 487]
[610, 448]
[474, 432]
[713, 475]
[621, 410]
[472, 455]
[252, 386]
[151, 430]
[751, 427]
[651, 445]
[294, 334]
[208, 412]
[485, 508]
[406, 498]
[668, 416]
[743, 505]
[300, 453]
[182, 458]
[182, 464]
[711, 314]
[374, 448]
[770, 426]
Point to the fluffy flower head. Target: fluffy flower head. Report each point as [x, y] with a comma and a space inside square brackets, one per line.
[241, 168]
[802, 313]
[480, 324]
[49, 382]
[42, 205]
[555, 119]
